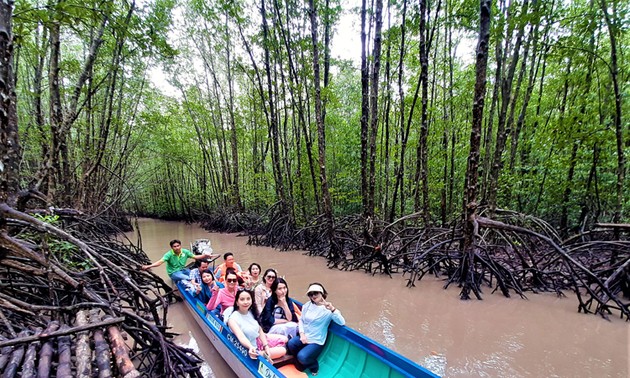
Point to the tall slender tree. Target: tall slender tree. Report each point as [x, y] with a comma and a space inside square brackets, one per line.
[613, 25]
[319, 116]
[472, 171]
[9, 139]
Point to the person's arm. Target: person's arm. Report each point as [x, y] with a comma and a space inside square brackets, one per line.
[336, 314]
[303, 337]
[236, 329]
[259, 299]
[217, 273]
[266, 316]
[284, 305]
[265, 343]
[213, 302]
[153, 265]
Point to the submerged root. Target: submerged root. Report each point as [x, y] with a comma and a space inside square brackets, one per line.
[512, 253]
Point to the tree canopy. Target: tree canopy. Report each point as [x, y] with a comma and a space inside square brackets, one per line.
[240, 127]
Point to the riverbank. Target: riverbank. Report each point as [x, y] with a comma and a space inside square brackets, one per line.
[74, 303]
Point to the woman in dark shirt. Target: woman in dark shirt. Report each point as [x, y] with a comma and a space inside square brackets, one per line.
[278, 315]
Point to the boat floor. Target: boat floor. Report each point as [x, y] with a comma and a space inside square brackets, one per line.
[290, 371]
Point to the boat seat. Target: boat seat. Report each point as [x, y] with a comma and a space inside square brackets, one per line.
[284, 360]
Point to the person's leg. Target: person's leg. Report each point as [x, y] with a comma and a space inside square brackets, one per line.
[307, 357]
[275, 340]
[277, 352]
[294, 346]
[180, 275]
[276, 343]
[286, 329]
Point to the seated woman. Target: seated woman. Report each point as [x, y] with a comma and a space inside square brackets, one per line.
[278, 316]
[253, 278]
[206, 289]
[225, 297]
[263, 291]
[313, 326]
[195, 274]
[242, 322]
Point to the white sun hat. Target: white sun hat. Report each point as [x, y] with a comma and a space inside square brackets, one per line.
[315, 288]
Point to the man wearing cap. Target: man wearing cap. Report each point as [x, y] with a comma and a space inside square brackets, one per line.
[313, 327]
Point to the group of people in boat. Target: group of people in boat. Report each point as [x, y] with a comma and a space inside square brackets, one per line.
[258, 310]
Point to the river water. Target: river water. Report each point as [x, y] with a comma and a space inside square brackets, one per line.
[543, 336]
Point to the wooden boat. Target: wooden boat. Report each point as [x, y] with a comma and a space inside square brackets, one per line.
[347, 353]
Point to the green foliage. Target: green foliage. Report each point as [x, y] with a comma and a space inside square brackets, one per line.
[171, 154]
[64, 251]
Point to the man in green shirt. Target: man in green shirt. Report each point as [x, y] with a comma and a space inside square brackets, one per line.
[176, 259]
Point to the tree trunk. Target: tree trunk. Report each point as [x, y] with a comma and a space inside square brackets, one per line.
[533, 74]
[9, 138]
[472, 171]
[321, 127]
[399, 171]
[235, 192]
[296, 93]
[449, 118]
[502, 130]
[421, 152]
[365, 108]
[373, 130]
[56, 117]
[273, 119]
[613, 25]
[489, 129]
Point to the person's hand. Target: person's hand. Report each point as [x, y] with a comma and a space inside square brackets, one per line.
[265, 353]
[303, 338]
[197, 288]
[253, 353]
[329, 306]
[145, 267]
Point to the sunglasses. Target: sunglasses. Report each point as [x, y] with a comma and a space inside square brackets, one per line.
[231, 280]
[313, 293]
[272, 277]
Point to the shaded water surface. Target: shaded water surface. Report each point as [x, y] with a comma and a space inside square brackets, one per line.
[497, 337]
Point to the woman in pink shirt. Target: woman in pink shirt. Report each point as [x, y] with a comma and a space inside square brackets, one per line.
[225, 297]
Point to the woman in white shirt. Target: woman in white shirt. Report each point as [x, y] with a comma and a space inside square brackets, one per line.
[242, 322]
[313, 327]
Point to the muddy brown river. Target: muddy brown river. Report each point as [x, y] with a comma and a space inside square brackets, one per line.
[543, 336]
